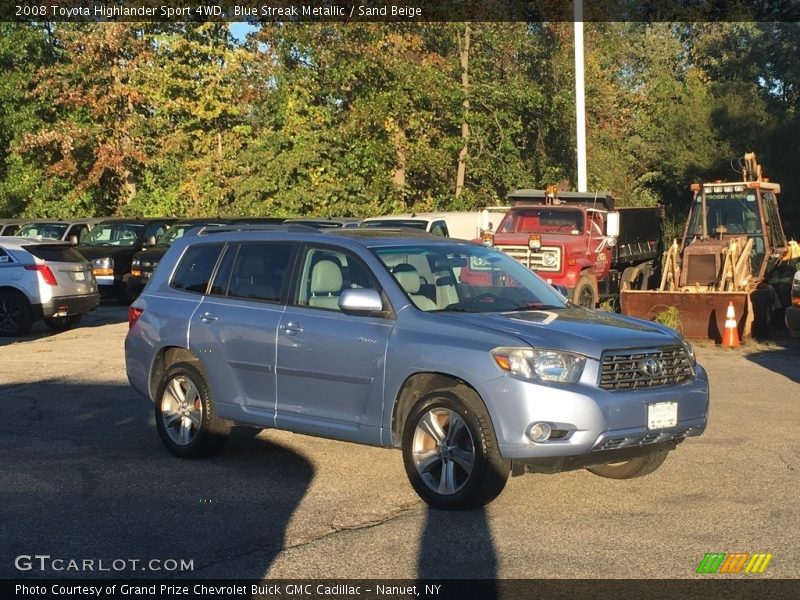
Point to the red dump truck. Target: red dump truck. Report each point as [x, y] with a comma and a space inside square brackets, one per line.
[579, 241]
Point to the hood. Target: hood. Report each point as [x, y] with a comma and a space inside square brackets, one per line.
[548, 238]
[573, 329]
[91, 252]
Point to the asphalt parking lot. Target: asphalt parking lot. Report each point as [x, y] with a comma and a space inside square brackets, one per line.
[83, 476]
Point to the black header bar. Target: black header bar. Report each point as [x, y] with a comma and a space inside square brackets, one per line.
[345, 11]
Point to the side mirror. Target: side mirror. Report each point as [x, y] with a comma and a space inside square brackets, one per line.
[360, 301]
[151, 241]
[612, 224]
[73, 239]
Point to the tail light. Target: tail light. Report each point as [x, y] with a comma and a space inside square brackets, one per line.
[45, 272]
[133, 315]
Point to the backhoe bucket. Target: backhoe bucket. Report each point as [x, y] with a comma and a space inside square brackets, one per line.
[702, 314]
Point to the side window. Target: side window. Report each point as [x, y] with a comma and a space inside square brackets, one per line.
[79, 231]
[325, 273]
[219, 287]
[194, 271]
[596, 224]
[4, 257]
[155, 230]
[260, 271]
[439, 228]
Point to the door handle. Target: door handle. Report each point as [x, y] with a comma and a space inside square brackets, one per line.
[208, 317]
[291, 328]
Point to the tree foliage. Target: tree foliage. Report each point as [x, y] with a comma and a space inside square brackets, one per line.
[364, 119]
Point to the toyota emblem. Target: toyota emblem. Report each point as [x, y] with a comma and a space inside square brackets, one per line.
[652, 368]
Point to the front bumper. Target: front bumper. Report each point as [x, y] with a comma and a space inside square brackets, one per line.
[63, 306]
[595, 420]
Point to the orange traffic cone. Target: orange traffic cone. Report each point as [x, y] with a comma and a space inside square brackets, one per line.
[730, 337]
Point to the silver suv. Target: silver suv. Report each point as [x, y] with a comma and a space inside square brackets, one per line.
[453, 352]
[43, 279]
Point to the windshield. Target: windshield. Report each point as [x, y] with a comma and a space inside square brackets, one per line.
[542, 220]
[410, 223]
[114, 234]
[466, 278]
[727, 213]
[53, 231]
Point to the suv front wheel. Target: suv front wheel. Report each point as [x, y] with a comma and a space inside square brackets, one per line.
[450, 451]
[186, 419]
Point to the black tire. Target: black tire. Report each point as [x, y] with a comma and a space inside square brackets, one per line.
[473, 436]
[16, 316]
[62, 323]
[584, 294]
[206, 434]
[635, 467]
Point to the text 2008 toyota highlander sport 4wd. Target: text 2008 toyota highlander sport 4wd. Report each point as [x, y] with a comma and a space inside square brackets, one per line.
[451, 351]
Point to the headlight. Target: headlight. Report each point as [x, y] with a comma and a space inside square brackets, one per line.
[135, 262]
[103, 267]
[103, 263]
[687, 347]
[549, 260]
[540, 365]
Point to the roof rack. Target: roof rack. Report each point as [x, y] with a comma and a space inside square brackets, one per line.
[290, 228]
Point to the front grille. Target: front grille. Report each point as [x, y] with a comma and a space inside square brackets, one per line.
[633, 369]
[535, 259]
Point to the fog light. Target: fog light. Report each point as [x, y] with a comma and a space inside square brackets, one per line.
[539, 432]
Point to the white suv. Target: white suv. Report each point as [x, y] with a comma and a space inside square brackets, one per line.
[43, 279]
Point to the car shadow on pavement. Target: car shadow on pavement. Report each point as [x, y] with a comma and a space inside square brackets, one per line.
[783, 356]
[85, 477]
[458, 545]
[107, 313]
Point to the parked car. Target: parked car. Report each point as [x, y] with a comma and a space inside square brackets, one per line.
[43, 279]
[10, 226]
[377, 337]
[462, 225]
[110, 247]
[73, 231]
[145, 261]
[792, 313]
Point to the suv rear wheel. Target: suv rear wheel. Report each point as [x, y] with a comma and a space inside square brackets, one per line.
[450, 451]
[635, 467]
[186, 419]
[16, 317]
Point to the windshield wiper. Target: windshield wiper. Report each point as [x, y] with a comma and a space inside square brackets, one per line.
[534, 306]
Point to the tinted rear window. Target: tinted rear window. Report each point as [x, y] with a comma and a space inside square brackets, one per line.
[260, 271]
[55, 253]
[194, 271]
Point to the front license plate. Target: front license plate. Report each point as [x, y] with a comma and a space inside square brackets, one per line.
[662, 415]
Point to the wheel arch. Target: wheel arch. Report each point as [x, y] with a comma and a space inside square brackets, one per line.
[10, 289]
[167, 356]
[414, 388]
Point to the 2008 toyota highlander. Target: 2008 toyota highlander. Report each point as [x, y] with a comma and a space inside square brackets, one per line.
[455, 353]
